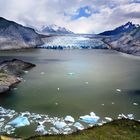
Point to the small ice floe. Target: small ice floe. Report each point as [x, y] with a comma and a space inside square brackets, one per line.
[41, 122]
[67, 131]
[60, 125]
[130, 116]
[7, 113]
[121, 116]
[15, 88]
[41, 129]
[86, 83]
[1, 124]
[112, 103]
[9, 129]
[118, 90]
[102, 104]
[56, 103]
[135, 104]
[20, 121]
[79, 126]
[26, 71]
[54, 130]
[42, 73]
[69, 119]
[2, 119]
[92, 118]
[58, 89]
[36, 116]
[102, 122]
[25, 113]
[109, 119]
[71, 73]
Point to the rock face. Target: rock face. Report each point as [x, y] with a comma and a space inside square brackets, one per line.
[127, 42]
[16, 36]
[121, 29]
[10, 72]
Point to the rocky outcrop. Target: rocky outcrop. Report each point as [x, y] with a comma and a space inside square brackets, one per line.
[10, 72]
[127, 42]
[16, 36]
[15, 66]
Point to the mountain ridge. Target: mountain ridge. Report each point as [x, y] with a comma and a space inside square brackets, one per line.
[55, 29]
[129, 26]
[16, 36]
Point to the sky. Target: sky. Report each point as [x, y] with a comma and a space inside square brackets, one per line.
[79, 16]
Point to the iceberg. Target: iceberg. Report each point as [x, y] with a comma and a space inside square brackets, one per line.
[2, 119]
[20, 121]
[41, 129]
[135, 104]
[60, 125]
[108, 119]
[118, 90]
[42, 73]
[130, 116]
[122, 116]
[54, 130]
[79, 126]
[69, 119]
[67, 131]
[71, 73]
[92, 118]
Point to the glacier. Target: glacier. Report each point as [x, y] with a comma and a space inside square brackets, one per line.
[72, 42]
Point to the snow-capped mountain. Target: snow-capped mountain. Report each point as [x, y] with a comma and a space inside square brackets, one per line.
[129, 26]
[54, 29]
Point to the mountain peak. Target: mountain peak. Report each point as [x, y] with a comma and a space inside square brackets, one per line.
[55, 29]
[129, 26]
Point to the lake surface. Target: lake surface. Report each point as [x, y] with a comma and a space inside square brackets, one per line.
[75, 82]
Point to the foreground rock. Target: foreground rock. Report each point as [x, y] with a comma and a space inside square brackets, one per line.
[16, 36]
[10, 72]
[6, 81]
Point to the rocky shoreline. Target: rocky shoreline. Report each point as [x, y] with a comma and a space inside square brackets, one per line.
[10, 72]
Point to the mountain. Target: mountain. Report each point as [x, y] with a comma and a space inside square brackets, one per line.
[54, 29]
[127, 42]
[16, 36]
[129, 26]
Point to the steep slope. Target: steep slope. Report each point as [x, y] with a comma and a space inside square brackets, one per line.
[128, 42]
[122, 29]
[54, 29]
[16, 36]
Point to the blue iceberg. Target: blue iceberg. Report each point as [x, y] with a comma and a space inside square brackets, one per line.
[20, 121]
[91, 119]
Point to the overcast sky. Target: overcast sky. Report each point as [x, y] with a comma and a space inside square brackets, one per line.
[82, 16]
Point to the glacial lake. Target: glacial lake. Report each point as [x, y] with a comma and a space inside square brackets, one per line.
[75, 83]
